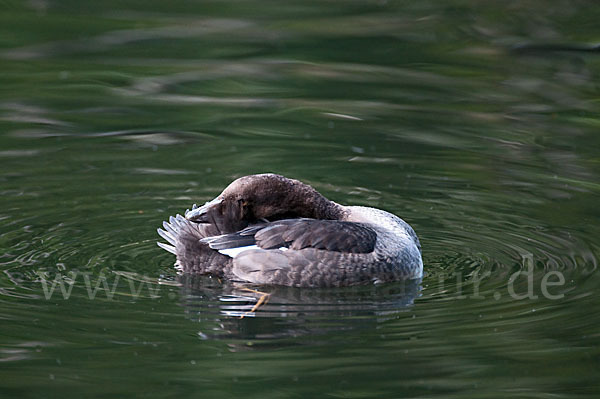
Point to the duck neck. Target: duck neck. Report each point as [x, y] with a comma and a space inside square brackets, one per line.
[305, 201]
[326, 209]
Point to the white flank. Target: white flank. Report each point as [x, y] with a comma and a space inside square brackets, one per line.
[233, 252]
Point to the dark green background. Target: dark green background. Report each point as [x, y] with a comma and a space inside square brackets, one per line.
[465, 118]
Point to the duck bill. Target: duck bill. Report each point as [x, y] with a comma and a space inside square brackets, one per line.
[200, 214]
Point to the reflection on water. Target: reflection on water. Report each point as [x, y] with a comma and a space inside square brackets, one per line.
[206, 300]
[475, 123]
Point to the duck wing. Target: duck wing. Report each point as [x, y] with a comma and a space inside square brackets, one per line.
[329, 235]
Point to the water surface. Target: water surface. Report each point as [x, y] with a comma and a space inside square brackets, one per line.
[476, 123]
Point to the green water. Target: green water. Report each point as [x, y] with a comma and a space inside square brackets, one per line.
[464, 118]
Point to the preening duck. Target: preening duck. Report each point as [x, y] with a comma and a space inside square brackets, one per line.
[268, 229]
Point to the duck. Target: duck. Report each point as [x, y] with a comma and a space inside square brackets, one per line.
[267, 229]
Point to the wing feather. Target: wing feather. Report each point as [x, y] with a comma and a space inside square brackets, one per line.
[330, 235]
